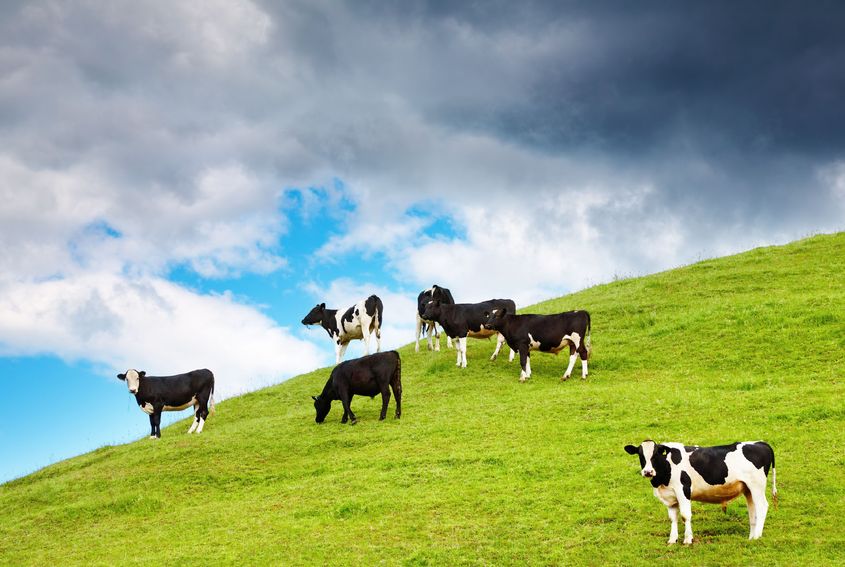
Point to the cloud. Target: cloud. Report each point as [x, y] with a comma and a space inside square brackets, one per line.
[152, 324]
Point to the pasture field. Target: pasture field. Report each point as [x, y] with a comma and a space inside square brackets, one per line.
[483, 470]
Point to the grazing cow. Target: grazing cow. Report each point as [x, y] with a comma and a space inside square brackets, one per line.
[462, 320]
[365, 376]
[155, 394]
[546, 333]
[680, 474]
[434, 293]
[358, 322]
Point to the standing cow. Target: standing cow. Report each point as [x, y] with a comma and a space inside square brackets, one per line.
[155, 394]
[365, 376]
[434, 293]
[462, 320]
[680, 474]
[358, 322]
[546, 333]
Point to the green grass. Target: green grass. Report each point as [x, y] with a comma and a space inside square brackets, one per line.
[484, 470]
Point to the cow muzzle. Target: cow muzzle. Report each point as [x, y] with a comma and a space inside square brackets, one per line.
[648, 473]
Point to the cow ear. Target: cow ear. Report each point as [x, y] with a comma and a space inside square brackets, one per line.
[662, 450]
[631, 450]
[322, 306]
[122, 376]
[142, 373]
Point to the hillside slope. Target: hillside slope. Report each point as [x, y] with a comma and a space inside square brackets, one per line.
[484, 470]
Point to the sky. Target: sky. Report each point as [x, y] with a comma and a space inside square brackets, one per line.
[180, 182]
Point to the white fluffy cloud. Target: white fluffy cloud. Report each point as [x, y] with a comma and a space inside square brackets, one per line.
[148, 323]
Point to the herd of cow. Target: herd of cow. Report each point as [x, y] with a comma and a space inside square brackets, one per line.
[678, 473]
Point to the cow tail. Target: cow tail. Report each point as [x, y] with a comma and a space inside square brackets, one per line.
[587, 342]
[379, 312]
[774, 479]
[211, 400]
[397, 374]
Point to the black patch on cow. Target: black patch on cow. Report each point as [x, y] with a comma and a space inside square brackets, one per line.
[662, 469]
[686, 482]
[690, 448]
[349, 315]
[710, 463]
[760, 454]
[676, 456]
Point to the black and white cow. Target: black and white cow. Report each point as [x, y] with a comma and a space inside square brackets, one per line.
[358, 322]
[462, 320]
[155, 394]
[434, 293]
[546, 333]
[365, 376]
[680, 474]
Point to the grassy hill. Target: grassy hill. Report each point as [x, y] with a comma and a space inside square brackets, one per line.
[484, 470]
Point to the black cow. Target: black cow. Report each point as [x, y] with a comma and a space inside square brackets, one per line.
[546, 333]
[365, 376]
[357, 322]
[155, 394]
[462, 320]
[680, 474]
[434, 293]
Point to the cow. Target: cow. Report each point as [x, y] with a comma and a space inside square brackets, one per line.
[546, 333]
[462, 320]
[358, 322]
[434, 293]
[366, 376]
[680, 474]
[155, 394]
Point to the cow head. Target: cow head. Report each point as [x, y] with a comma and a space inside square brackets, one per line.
[653, 461]
[322, 406]
[431, 311]
[494, 319]
[315, 316]
[133, 379]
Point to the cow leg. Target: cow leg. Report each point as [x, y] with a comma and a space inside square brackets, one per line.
[346, 399]
[511, 355]
[752, 513]
[385, 399]
[525, 363]
[157, 419]
[341, 351]
[202, 414]
[572, 354]
[464, 352]
[761, 507]
[196, 418]
[448, 341]
[673, 531]
[419, 332]
[152, 426]
[500, 340]
[582, 352]
[396, 385]
[338, 351]
[433, 329]
[378, 339]
[458, 350]
[686, 513]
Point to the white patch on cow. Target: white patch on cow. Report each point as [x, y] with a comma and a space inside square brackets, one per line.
[574, 338]
[569, 368]
[199, 428]
[194, 425]
[511, 355]
[147, 408]
[533, 344]
[583, 369]
[133, 380]
[648, 452]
